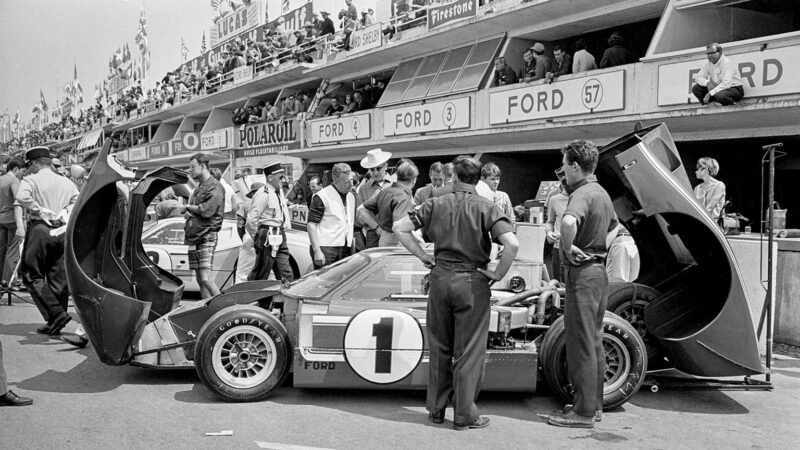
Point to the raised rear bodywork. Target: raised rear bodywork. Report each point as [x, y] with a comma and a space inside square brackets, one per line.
[701, 317]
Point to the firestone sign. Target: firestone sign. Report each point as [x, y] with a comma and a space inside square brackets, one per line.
[763, 74]
[266, 138]
[590, 94]
[441, 15]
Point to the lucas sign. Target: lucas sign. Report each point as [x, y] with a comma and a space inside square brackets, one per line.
[349, 127]
[763, 74]
[590, 94]
[445, 115]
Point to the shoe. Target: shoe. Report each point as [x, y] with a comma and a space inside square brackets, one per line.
[480, 422]
[44, 329]
[715, 104]
[571, 420]
[436, 417]
[598, 415]
[59, 323]
[12, 399]
[74, 339]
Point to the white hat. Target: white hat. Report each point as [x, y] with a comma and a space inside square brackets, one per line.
[375, 157]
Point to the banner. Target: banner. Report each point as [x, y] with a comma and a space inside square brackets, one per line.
[366, 38]
[219, 139]
[764, 73]
[584, 95]
[242, 74]
[447, 13]
[267, 138]
[189, 142]
[348, 127]
[159, 150]
[451, 114]
[137, 153]
[118, 83]
[241, 19]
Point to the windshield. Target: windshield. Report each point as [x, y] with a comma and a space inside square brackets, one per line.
[318, 283]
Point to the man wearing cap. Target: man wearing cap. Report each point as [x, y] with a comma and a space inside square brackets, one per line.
[326, 27]
[376, 163]
[391, 204]
[544, 63]
[719, 82]
[462, 225]
[267, 219]
[203, 222]
[46, 196]
[330, 219]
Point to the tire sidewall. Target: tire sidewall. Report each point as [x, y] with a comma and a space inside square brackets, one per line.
[222, 322]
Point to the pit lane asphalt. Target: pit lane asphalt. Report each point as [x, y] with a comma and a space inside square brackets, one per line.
[81, 403]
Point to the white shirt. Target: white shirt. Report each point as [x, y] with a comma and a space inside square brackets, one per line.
[724, 74]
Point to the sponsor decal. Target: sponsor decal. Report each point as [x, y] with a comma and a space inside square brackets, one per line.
[266, 138]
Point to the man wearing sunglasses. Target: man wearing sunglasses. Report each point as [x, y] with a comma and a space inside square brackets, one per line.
[376, 163]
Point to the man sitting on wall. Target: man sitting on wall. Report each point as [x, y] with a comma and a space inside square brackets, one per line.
[719, 82]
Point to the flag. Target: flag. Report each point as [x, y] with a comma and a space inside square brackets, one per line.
[42, 102]
[285, 6]
[203, 47]
[76, 89]
[144, 44]
[16, 119]
[184, 49]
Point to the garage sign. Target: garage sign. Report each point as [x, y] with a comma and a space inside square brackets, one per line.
[590, 94]
[349, 127]
[266, 138]
[383, 346]
[763, 74]
[445, 115]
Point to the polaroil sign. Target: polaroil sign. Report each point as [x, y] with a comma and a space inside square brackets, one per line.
[267, 138]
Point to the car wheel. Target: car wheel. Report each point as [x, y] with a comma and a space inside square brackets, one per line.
[626, 361]
[242, 353]
[628, 301]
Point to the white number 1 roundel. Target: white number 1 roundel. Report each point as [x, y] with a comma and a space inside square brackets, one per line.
[383, 346]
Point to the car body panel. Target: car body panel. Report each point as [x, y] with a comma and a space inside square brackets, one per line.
[702, 318]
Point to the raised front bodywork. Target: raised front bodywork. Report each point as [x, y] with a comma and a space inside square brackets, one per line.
[701, 318]
[116, 288]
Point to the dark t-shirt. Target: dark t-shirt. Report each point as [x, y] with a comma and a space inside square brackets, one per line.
[334, 109]
[210, 197]
[462, 225]
[390, 204]
[591, 206]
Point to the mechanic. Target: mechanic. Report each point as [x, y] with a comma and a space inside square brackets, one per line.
[266, 223]
[46, 196]
[623, 262]
[588, 219]
[203, 222]
[391, 204]
[376, 163]
[331, 218]
[460, 224]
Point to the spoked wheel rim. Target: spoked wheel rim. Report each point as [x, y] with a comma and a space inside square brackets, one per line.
[244, 357]
[634, 315]
[618, 363]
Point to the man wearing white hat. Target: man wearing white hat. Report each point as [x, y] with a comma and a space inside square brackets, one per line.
[376, 163]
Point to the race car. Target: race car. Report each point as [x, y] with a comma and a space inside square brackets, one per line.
[360, 323]
[163, 242]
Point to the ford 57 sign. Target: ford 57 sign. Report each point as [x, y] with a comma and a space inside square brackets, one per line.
[590, 94]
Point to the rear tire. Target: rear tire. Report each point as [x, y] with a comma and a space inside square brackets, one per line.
[242, 353]
[626, 361]
[621, 302]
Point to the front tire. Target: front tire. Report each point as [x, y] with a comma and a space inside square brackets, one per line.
[626, 361]
[242, 353]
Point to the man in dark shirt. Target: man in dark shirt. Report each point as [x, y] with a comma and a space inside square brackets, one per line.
[360, 102]
[390, 205]
[588, 219]
[203, 222]
[460, 224]
[562, 64]
[617, 53]
[334, 108]
[503, 73]
[326, 27]
[436, 174]
[330, 219]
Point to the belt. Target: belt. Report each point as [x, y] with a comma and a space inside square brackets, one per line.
[458, 265]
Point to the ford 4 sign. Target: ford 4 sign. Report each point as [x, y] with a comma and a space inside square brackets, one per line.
[349, 127]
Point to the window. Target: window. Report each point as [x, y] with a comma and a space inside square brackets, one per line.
[318, 283]
[404, 276]
[458, 69]
[171, 234]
